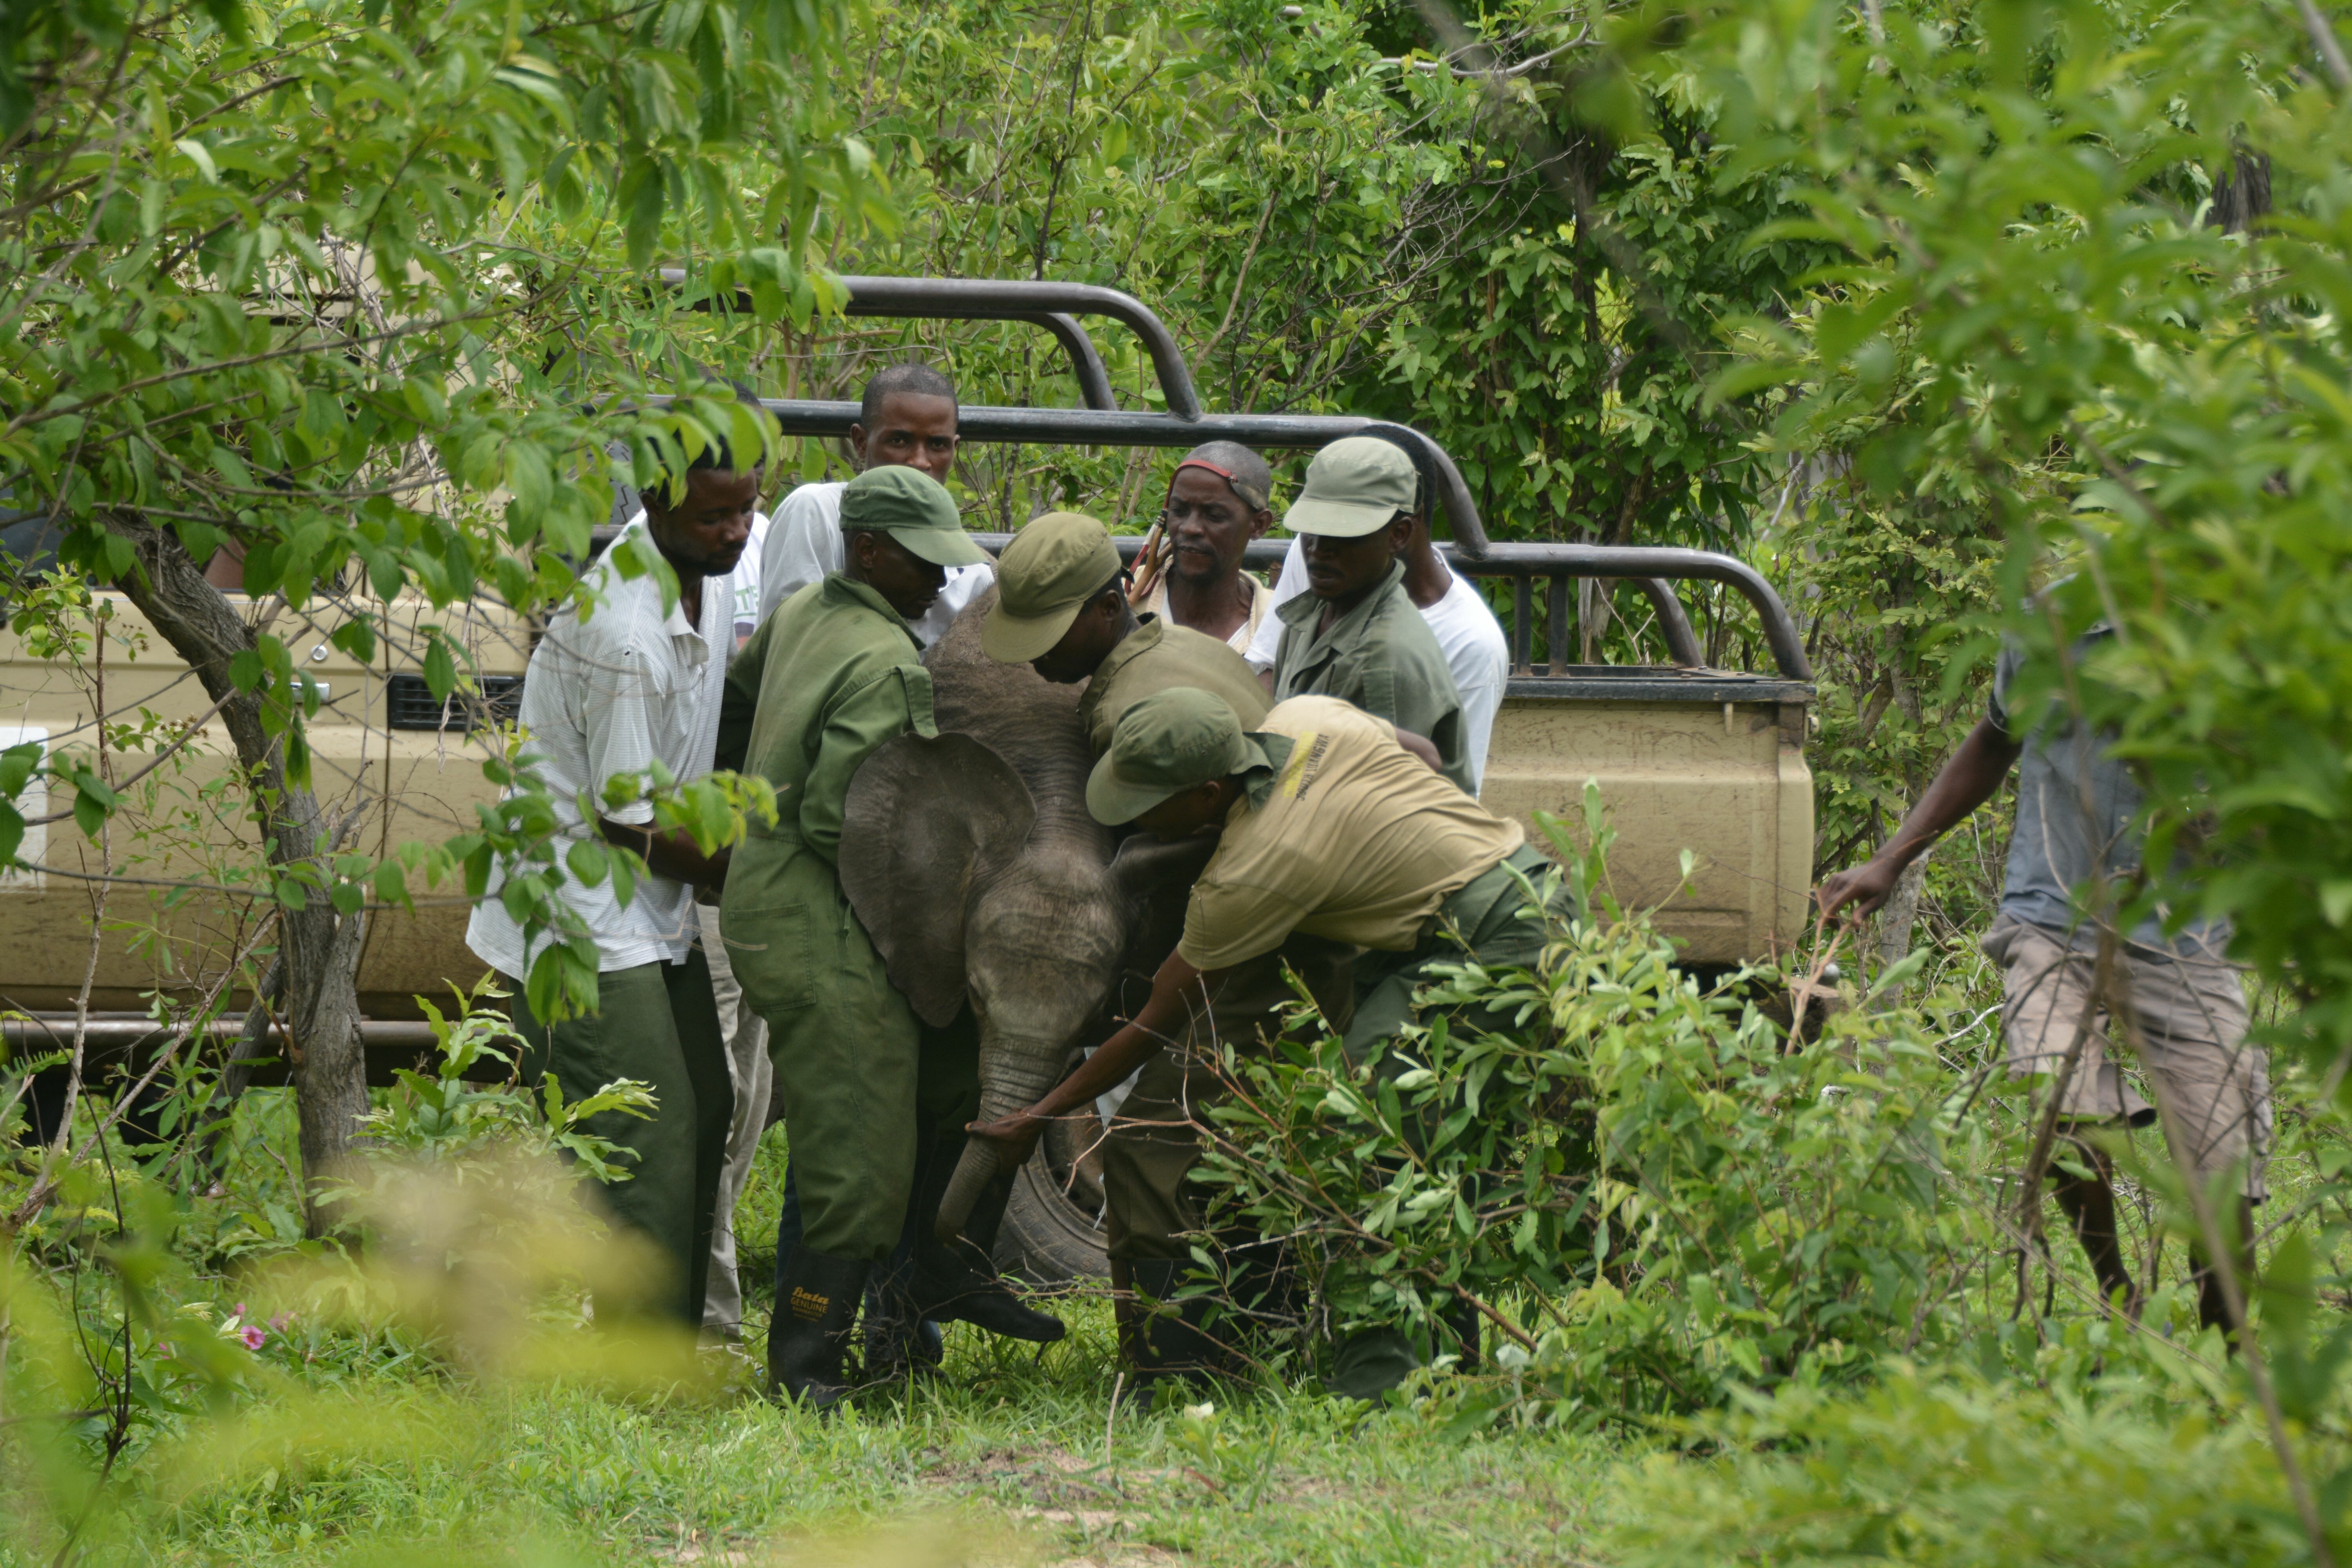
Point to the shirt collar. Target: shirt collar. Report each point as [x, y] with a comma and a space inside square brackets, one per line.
[843, 586]
[1148, 630]
[1301, 610]
[1257, 777]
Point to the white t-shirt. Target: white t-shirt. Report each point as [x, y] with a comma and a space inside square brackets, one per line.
[805, 547]
[747, 579]
[1467, 634]
[604, 695]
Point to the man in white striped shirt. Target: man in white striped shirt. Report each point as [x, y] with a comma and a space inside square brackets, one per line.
[629, 683]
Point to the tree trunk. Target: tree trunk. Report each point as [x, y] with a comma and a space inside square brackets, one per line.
[320, 950]
[1896, 919]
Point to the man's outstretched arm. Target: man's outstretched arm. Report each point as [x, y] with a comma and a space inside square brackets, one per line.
[1970, 778]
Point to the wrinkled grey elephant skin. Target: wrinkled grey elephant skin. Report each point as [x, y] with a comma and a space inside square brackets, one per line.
[975, 868]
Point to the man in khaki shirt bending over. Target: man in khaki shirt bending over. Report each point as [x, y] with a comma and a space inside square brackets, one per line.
[1334, 826]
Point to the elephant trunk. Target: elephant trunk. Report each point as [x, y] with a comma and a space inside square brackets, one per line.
[1015, 1074]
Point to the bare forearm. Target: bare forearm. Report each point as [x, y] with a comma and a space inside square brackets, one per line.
[1160, 1019]
[1966, 782]
[672, 854]
[1972, 776]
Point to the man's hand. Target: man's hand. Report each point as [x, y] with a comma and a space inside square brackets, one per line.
[1863, 888]
[1420, 746]
[1014, 1137]
[1971, 776]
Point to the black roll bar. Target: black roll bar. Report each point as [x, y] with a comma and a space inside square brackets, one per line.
[1086, 360]
[1014, 300]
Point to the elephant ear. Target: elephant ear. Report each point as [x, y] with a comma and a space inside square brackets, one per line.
[925, 816]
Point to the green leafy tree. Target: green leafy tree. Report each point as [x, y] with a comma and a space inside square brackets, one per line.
[342, 288]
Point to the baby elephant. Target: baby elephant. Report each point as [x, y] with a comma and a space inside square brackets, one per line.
[973, 865]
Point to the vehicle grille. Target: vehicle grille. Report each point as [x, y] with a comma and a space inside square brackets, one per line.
[413, 707]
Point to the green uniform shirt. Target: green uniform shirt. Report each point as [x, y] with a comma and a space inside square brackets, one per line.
[827, 679]
[1158, 656]
[1381, 657]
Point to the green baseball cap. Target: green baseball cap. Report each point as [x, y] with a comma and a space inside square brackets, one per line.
[1053, 566]
[1170, 741]
[1354, 486]
[912, 508]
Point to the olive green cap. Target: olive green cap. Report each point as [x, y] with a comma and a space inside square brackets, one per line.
[912, 508]
[1053, 566]
[1354, 486]
[1170, 741]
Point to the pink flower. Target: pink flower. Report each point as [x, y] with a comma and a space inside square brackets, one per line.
[252, 1336]
[278, 1323]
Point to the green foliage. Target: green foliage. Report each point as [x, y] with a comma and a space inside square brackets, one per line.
[1676, 1201]
[1946, 1469]
[350, 289]
[2051, 331]
[476, 1131]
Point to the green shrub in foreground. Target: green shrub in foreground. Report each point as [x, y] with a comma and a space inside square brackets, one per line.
[1661, 1196]
[1947, 1471]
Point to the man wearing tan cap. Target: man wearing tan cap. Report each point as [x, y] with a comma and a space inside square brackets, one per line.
[1331, 827]
[1061, 608]
[1355, 633]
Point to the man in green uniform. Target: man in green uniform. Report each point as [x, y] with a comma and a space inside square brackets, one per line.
[1356, 634]
[1331, 827]
[835, 673]
[1062, 609]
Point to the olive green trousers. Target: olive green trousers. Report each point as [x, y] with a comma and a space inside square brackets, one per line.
[857, 1074]
[656, 1022]
[1488, 922]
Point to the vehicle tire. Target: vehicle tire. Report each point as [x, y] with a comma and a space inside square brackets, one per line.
[1053, 1229]
[1048, 1237]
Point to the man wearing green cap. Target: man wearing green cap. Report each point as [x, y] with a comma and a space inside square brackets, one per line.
[1330, 827]
[827, 679]
[1355, 633]
[1061, 608]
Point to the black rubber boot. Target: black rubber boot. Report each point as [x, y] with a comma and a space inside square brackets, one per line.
[950, 1286]
[808, 1339]
[1170, 1341]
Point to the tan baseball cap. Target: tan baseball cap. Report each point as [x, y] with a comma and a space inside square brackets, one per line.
[1354, 486]
[1170, 741]
[1053, 566]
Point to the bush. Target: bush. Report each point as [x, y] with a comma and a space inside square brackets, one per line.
[1949, 1470]
[1644, 1184]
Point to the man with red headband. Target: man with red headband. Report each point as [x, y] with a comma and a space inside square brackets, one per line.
[1219, 499]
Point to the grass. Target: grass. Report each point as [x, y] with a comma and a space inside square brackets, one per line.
[1013, 1457]
[368, 1454]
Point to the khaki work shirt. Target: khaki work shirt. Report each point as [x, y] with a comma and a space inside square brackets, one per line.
[1344, 835]
[1381, 657]
[1159, 656]
[824, 682]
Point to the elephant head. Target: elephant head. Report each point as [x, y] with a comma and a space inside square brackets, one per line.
[973, 863]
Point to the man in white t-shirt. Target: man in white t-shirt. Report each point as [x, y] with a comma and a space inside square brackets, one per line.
[907, 415]
[1468, 633]
[631, 684]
